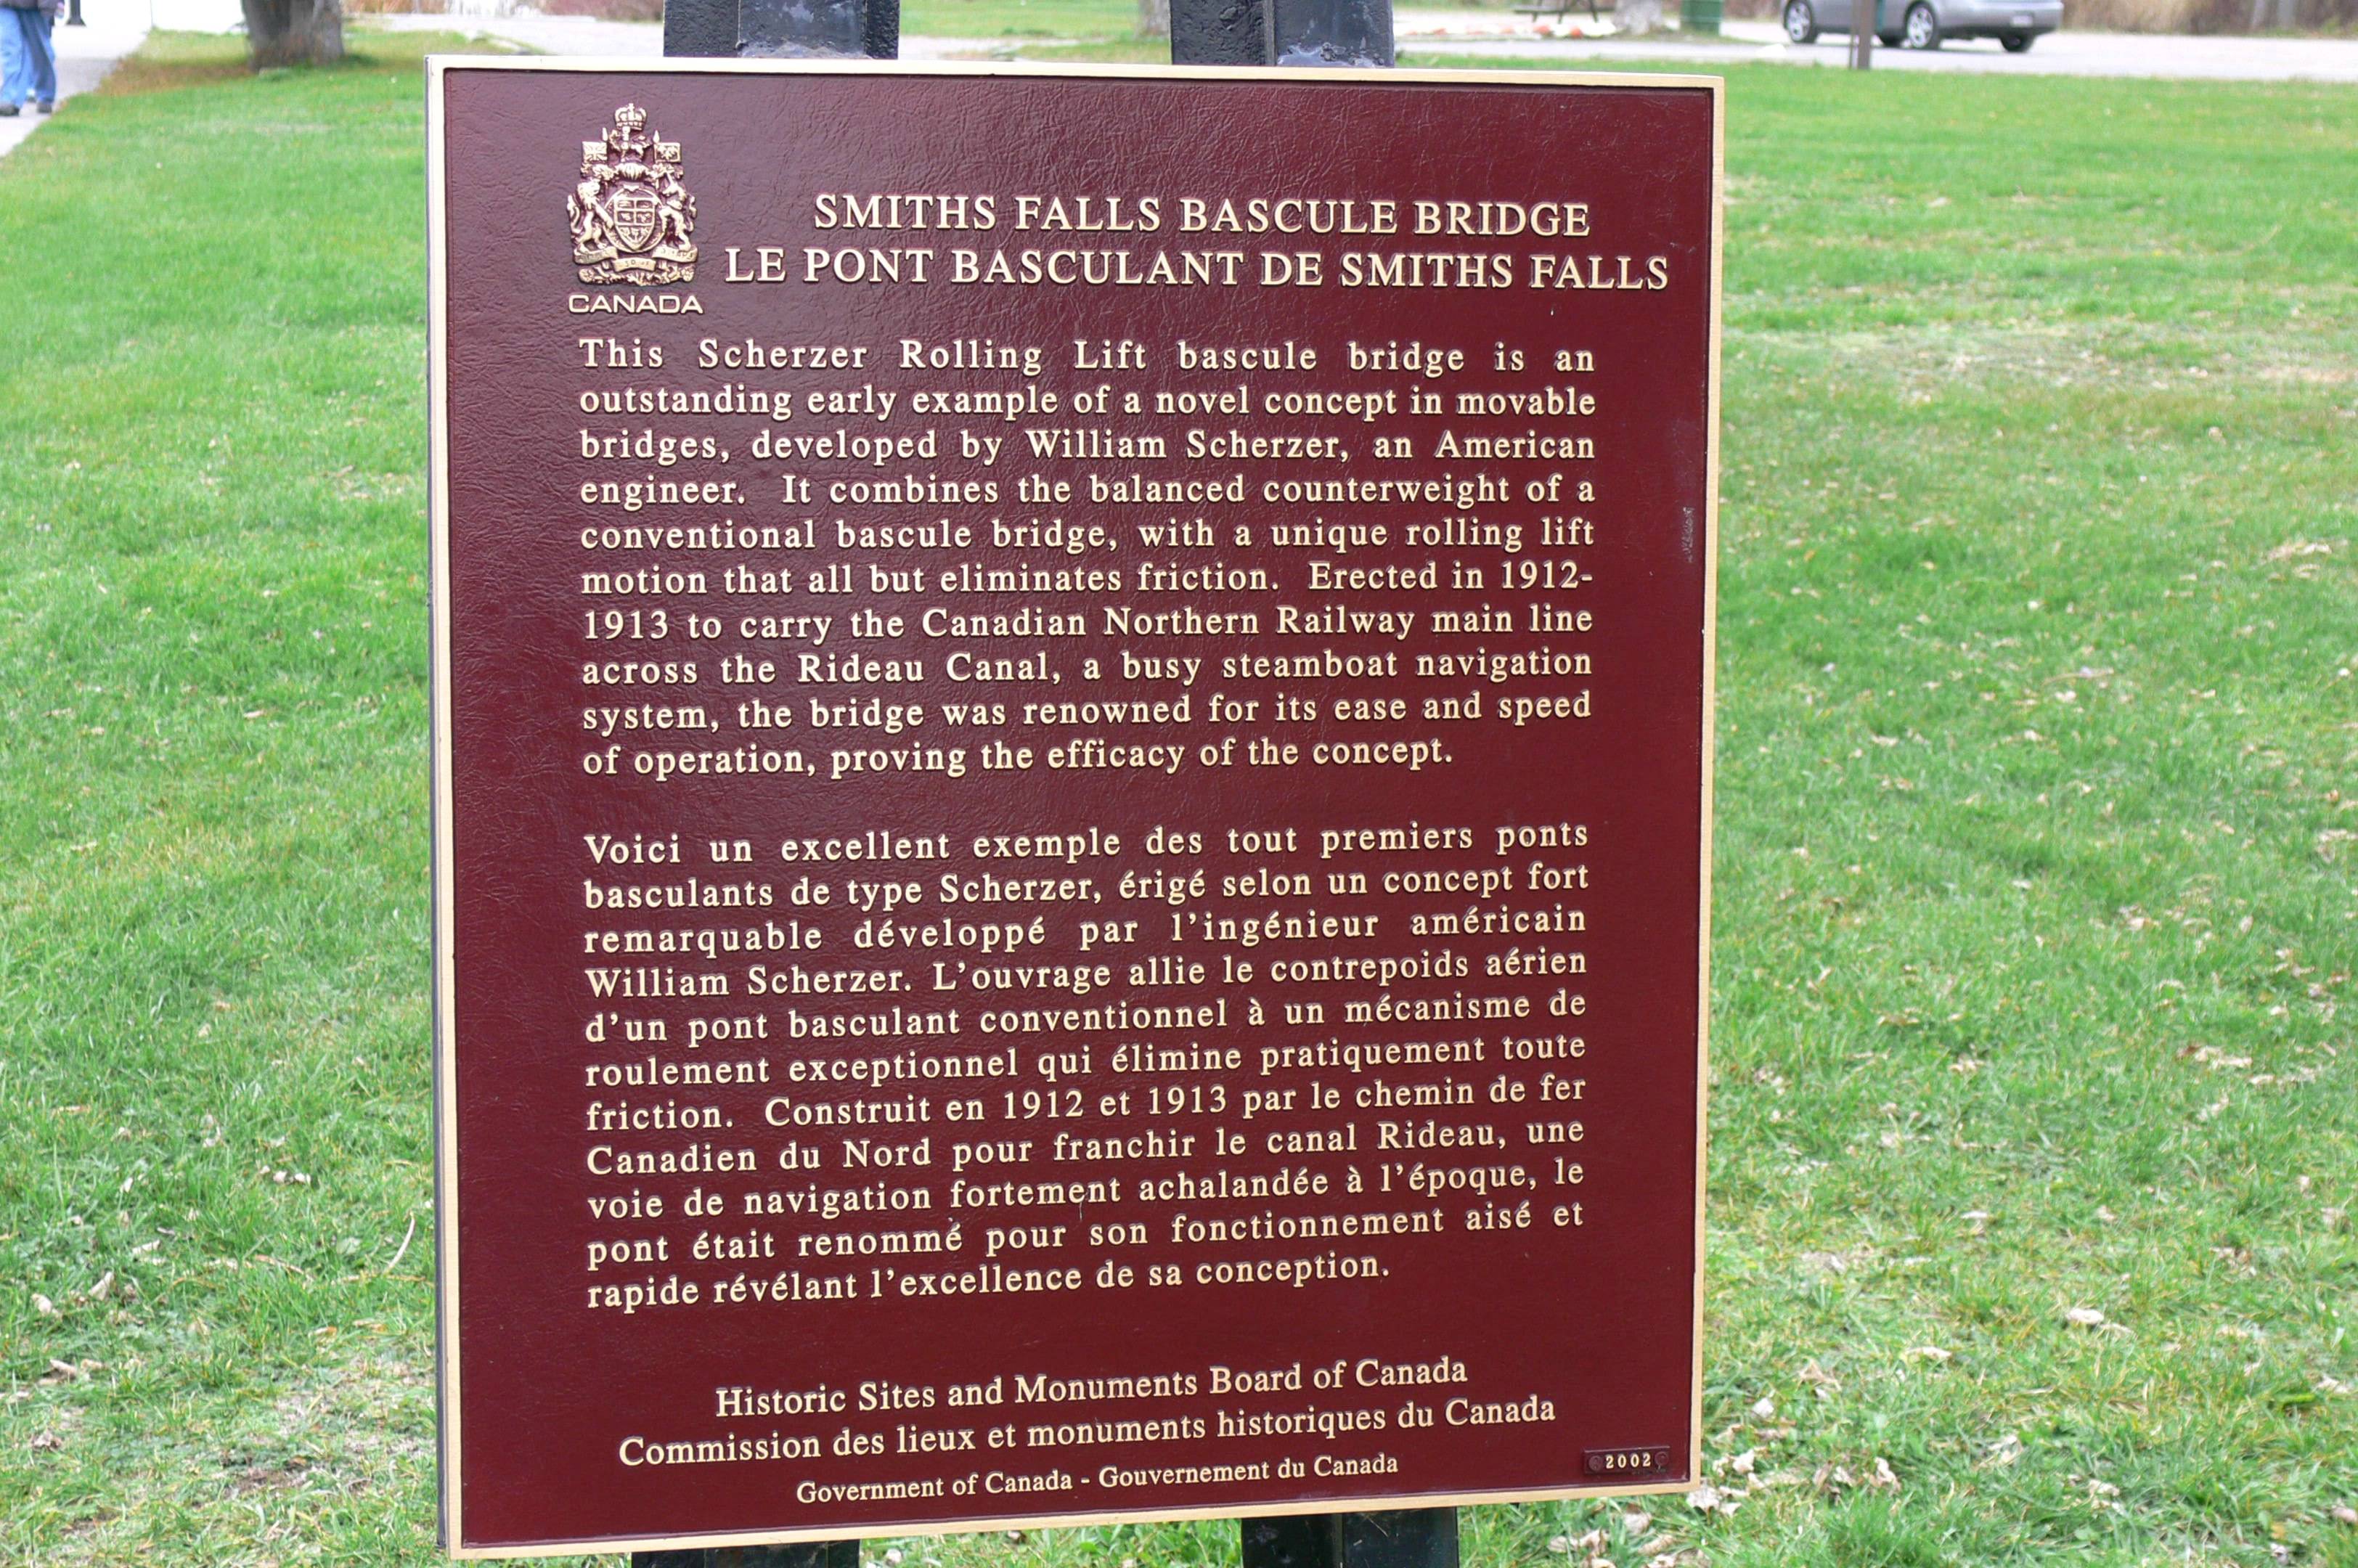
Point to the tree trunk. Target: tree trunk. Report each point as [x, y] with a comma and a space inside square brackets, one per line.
[294, 32]
[1153, 18]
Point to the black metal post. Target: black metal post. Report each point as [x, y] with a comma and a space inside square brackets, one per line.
[791, 28]
[806, 1554]
[73, 15]
[1203, 32]
[702, 28]
[1331, 32]
[1298, 32]
[730, 28]
[1219, 32]
[1282, 32]
[724, 29]
[1406, 1538]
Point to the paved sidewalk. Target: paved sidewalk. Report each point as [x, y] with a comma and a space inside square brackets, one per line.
[589, 36]
[85, 55]
[548, 34]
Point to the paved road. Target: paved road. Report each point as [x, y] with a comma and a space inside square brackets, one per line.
[2065, 53]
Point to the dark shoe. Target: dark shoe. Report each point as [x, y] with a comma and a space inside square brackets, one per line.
[48, 106]
[9, 109]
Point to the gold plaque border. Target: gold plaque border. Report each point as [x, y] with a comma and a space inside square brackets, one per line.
[438, 68]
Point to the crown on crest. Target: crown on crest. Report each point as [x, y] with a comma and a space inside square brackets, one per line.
[627, 139]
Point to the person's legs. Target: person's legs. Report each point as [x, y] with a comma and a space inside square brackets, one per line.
[44, 50]
[16, 63]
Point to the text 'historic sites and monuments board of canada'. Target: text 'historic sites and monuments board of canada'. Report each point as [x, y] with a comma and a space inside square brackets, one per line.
[1071, 792]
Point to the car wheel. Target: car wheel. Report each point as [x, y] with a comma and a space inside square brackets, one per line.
[2016, 43]
[1800, 22]
[1923, 28]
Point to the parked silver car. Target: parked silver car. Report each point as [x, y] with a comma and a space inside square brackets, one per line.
[1924, 23]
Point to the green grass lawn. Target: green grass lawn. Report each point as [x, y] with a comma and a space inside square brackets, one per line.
[2036, 855]
[1016, 19]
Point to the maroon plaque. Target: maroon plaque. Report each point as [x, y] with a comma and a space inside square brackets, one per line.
[1071, 792]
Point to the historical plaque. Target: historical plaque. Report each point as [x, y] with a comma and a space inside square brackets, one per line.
[1071, 792]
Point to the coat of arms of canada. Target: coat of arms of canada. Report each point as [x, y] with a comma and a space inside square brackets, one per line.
[631, 214]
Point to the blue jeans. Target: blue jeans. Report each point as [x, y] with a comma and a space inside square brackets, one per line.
[32, 68]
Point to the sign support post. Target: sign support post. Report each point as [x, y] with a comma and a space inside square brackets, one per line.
[1291, 33]
[1203, 32]
[802, 1554]
[1402, 1538]
[1282, 32]
[783, 30]
[724, 28]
